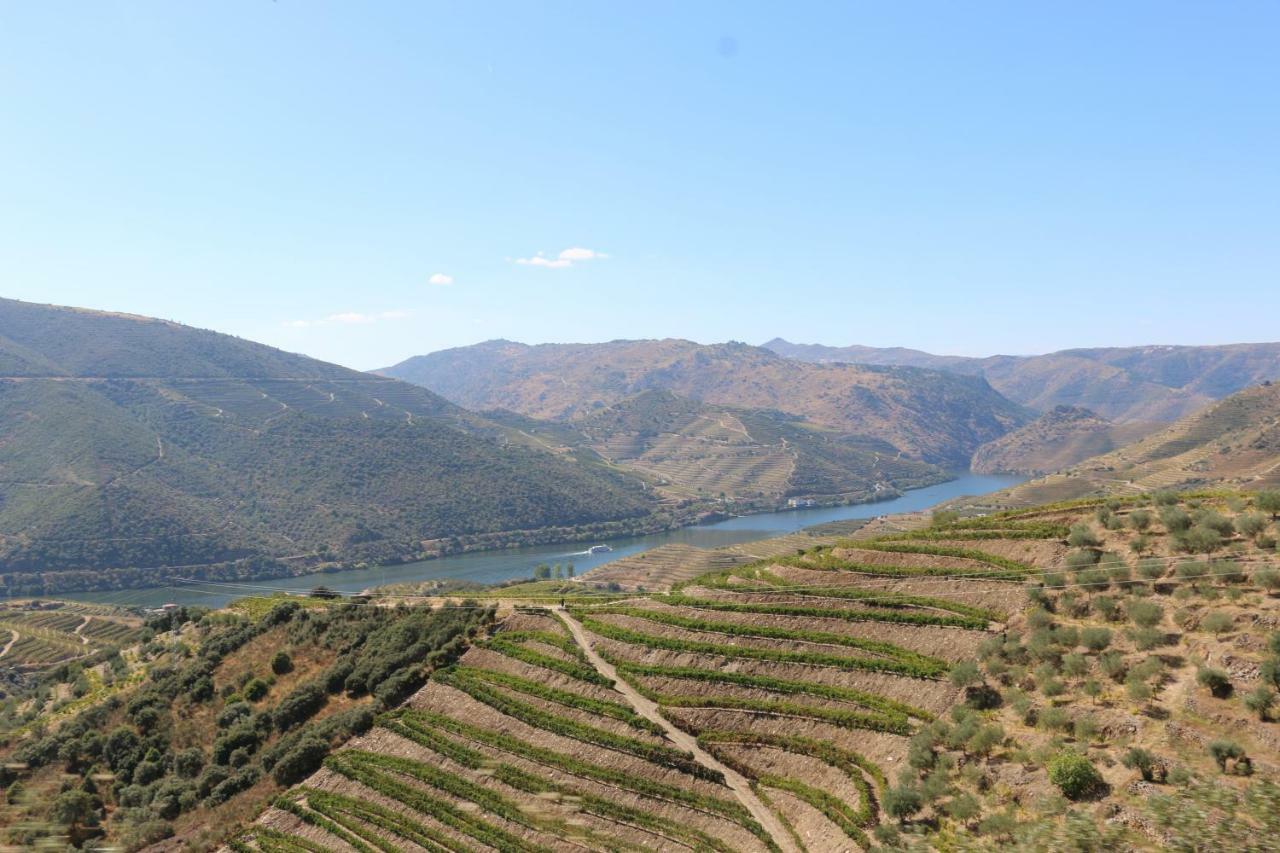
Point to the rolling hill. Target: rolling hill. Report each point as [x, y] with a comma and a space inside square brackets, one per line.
[1057, 439]
[930, 415]
[690, 449]
[1123, 384]
[1234, 443]
[133, 449]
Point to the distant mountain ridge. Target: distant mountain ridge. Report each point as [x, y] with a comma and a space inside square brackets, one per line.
[133, 450]
[936, 416]
[1123, 384]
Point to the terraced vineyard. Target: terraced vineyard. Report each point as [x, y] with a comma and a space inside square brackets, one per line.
[801, 677]
[34, 635]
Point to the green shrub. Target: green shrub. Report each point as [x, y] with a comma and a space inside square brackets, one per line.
[902, 802]
[1217, 681]
[1144, 614]
[1146, 763]
[301, 761]
[1074, 774]
[1224, 750]
[1260, 699]
[255, 689]
[1081, 535]
[1217, 622]
[1095, 639]
[281, 663]
[1250, 524]
[1267, 578]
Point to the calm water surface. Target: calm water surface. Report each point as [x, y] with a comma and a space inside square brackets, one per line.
[509, 563]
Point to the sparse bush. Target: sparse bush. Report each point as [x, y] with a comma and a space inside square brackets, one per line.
[1259, 700]
[902, 802]
[1151, 568]
[1140, 520]
[1267, 578]
[1269, 501]
[1217, 622]
[1081, 535]
[1224, 751]
[1146, 763]
[1144, 614]
[1107, 607]
[1095, 639]
[1250, 524]
[1077, 560]
[1215, 680]
[1201, 540]
[1175, 519]
[1074, 774]
[985, 739]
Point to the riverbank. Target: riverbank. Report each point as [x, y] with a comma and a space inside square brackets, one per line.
[488, 567]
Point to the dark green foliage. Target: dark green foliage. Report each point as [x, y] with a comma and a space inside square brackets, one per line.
[300, 761]
[281, 663]
[902, 802]
[305, 700]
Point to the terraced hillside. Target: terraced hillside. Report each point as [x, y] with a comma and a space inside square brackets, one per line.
[914, 690]
[1058, 439]
[625, 724]
[1232, 444]
[35, 635]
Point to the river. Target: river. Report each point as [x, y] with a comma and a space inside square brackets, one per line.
[509, 563]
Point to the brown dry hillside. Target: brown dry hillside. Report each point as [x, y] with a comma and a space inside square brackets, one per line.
[1057, 439]
[1138, 384]
[920, 689]
[931, 415]
[1234, 443]
[690, 449]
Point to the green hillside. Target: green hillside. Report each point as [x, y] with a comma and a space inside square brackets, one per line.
[132, 450]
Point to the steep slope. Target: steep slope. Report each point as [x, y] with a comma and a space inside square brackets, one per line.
[688, 448]
[1150, 383]
[134, 449]
[931, 415]
[1233, 443]
[1057, 439]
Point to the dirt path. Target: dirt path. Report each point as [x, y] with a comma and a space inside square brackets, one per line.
[79, 631]
[9, 645]
[649, 710]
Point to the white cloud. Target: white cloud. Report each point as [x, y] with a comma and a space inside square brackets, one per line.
[566, 258]
[348, 318]
[577, 253]
[440, 278]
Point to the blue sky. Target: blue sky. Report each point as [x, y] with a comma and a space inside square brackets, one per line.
[959, 177]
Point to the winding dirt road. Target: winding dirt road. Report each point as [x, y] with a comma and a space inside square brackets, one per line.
[649, 710]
